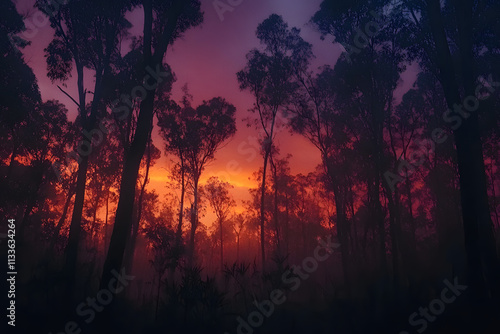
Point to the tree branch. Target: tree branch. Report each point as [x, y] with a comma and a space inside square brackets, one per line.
[72, 99]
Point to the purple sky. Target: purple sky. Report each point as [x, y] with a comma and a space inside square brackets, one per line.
[207, 58]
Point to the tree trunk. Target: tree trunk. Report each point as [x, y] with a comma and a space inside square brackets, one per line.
[123, 220]
[129, 254]
[71, 250]
[105, 242]
[221, 246]
[123, 217]
[262, 209]
[238, 247]
[478, 233]
[194, 221]
[61, 221]
[178, 235]
[276, 221]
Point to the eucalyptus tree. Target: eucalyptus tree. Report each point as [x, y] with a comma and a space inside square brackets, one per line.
[365, 77]
[195, 135]
[164, 22]
[86, 36]
[457, 41]
[173, 132]
[269, 76]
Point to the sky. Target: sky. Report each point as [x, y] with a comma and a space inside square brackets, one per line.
[207, 59]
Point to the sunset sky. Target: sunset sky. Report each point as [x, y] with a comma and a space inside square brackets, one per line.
[207, 58]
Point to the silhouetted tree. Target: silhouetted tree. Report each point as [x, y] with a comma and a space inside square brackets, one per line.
[164, 22]
[268, 75]
[220, 200]
[86, 37]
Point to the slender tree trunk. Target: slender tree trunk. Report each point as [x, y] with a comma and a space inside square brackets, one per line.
[262, 209]
[380, 222]
[276, 221]
[105, 242]
[238, 246]
[71, 250]
[178, 236]
[95, 230]
[61, 221]
[181, 209]
[194, 221]
[287, 225]
[221, 246]
[342, 235]
[395, 239]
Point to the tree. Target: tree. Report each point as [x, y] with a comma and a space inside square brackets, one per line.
[86, 36]
[19, 93]
[49, 121]
[173, 132]
[451, 52]
[269, 75]
[220, 200]
[196, 136]
[364, 99]
[162, 241]
[239, 224]
[164, 22]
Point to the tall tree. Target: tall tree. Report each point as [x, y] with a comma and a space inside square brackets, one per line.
[269, 75]
[173, 132]
[86, 37]
[164, 22]
[452, 39]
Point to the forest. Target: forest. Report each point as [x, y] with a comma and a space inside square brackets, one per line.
[267, 166]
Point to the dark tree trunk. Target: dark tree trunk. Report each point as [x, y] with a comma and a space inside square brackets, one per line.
[194, 221]
[129, 254]
[262, 209]
[61, 221]
[238, 247]
[221, 246]
[478, 233]
[71, 250]
[178, 235]
[276, 221]
[123, 220]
